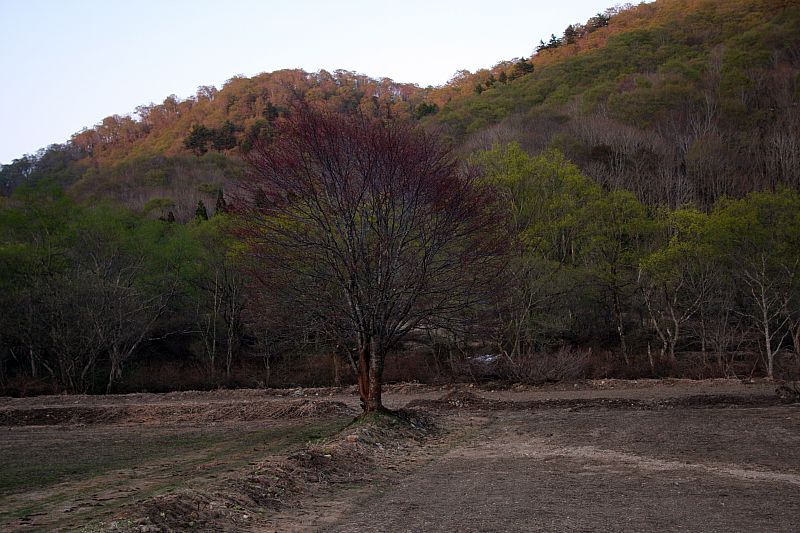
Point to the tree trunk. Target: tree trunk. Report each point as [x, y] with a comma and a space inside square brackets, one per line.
[33, 363]
[363, 372]
[621, 328]
[267, 370]
[767, 333]
[375, 381]
[116, 368]
[370, 375]
[703, 332]
[337, 364]
[114, 376]
[795, 328]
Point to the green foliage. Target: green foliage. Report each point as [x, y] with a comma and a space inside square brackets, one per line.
[84, 283]
[762, 226]
[521, 68]
[209, 188]
[544, 193]
[224, 138]
[198, 139]
[35, 227]
[687, 225]
[598, 21]
[569, 232]
[617, 230]
[221, 206]
[425, 109]
[200, 212]
[677, 45]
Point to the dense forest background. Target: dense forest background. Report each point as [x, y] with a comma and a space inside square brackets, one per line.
[649, 158]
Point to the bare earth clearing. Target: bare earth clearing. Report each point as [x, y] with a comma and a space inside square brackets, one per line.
[716, 455]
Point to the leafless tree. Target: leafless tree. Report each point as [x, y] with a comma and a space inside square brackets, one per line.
[219, 312]
[672, 301]
[372, 225]
[770, 289]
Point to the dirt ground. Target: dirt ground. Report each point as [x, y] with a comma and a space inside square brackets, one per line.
[717, 455]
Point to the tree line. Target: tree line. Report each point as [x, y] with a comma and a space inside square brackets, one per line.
[719, 285]
[350, 234]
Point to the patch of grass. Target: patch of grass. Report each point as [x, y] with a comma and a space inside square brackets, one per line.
[36, 465]
[406, 418]
[38, 461]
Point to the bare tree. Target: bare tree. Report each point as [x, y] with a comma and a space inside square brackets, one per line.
[122, 300]
[770, 292]
[370, 224]
[219, 312]
[673, 299]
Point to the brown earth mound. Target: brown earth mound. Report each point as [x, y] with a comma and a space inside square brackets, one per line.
[352, 457]
[468, 401]
[192, 413]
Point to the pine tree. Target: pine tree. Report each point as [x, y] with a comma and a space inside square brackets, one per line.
[200, 212]
[222, 205]
[570, 34]
[521, 67]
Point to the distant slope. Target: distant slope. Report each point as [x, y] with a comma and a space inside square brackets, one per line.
[649, 59]
[180, 151]
[681, 101]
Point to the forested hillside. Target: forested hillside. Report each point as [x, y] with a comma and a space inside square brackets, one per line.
[648, 166]
[679, 101]
[181, 151]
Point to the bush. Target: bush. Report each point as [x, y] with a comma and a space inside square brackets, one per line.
[565, 364]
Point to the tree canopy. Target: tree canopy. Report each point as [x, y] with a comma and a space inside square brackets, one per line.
[372, 225]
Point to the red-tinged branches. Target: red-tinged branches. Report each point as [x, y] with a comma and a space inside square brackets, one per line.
[371, 227]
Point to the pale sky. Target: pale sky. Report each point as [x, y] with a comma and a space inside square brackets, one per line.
[67, 64]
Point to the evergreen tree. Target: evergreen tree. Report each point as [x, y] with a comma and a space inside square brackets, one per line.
[570, 34]
[222, 205]
[198, 139]
[224, 138]
[425, 109]
[598, 21]
[521, 67]
[200, 212]
[271, 112]
[541, 46]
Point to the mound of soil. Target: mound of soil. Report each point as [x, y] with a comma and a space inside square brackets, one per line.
[352, 456]
[190, 413]
[465, 400]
